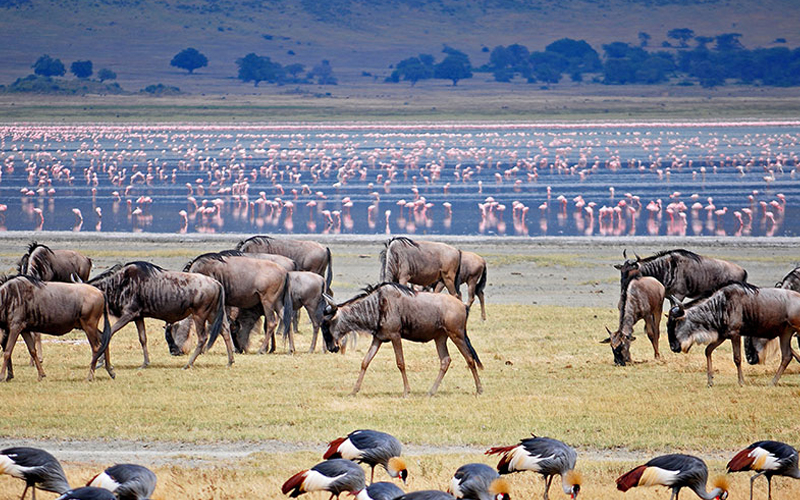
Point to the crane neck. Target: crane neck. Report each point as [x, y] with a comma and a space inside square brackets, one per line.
[711, 495]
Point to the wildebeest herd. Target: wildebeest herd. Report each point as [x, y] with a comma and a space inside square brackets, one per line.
[225, 293]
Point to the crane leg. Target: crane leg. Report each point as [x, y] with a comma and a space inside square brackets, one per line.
[752, 479]
[372, 474]
[24, 492]
[769, 487]
[547, 482]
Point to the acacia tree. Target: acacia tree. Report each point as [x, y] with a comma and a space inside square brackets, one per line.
[47, 66]
[106, 74]
[256, 69]
[81, 69]
[189, 59]
[454, 67]
[323, 72]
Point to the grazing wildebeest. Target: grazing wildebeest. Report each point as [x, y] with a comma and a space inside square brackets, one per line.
[423, 263]
[391, 312]
[734, 310]
[141, 290]
[308, 255]
[29, 304]
[250, 282]
[473, 273]
[683, 273]
[644, 300]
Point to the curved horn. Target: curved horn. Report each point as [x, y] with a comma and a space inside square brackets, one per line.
[637, 256]
[331, 308]
[625, 253]
[608, 340]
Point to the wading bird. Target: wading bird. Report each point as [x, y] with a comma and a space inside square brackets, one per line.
[675, 472]
[336, 476]
[127, 481]
[372, 448]
[88, 493]
[767, 458]
[478, 482]
[36, 467]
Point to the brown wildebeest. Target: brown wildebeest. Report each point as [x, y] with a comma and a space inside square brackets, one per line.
[391, 312]
[308, 255]
[141, 290]
[250, 282]
[473, 273]
[683, 273]
[644, 300]
[756, 350]
[29, 304]
[40, 261]
[734, 310]
[421, 263]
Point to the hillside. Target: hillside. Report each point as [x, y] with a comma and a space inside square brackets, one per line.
[137, 38]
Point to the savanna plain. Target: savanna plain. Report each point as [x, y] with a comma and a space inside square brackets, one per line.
[215, 432]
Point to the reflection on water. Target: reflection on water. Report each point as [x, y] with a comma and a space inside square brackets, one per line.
[501, 179]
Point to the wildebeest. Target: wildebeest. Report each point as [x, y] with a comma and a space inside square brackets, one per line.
[308, 255]
[473, 273]
[29, 304]
[734, 310]
[683, 273]
[139, 290]
[391, 312]
[249, 282]
[757, 350]
[644, 299]
[423, 263]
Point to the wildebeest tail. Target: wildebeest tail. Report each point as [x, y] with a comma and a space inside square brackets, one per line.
[481, 282]
[216, 327]
[457, 281]
[329, 276]
[105, 338]
[288, 306]
[383, 263]
[472, 351]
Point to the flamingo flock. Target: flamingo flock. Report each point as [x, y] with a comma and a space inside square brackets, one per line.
[605, 179]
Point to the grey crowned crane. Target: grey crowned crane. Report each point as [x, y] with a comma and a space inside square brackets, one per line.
[336, 476]
[36, 467]
[380, 491]
[126, 481]
[767, 458]
[544, 455]
[426, 495]
[676, 472]
[88, 493]
[372, 448]
[478, 482]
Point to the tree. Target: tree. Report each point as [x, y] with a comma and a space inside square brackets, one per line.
[323, 72]
[256, 69]
[47, 66]
[644, 39]
[703, 41]
[294, 69]
[106, 74]
[189, 59]
[727, 42]
[682, 35]
[414, 69]
[454, 67]
[81, 69]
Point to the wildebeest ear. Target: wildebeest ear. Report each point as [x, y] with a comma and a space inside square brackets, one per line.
[606, 340]
[618, 267]
[676, 311]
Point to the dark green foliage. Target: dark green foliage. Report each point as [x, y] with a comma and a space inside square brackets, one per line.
[728, 42]
[81, 69]
[454, 67]
[256, 69]
[682, 35]
[293, 70]
[189, 59]
[106, 74]
[644, 39]
[47, 85]
[413, 69]
[160, 90]
[323, 72]
[47, 66]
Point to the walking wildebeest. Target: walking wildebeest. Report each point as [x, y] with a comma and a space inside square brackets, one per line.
[473, 273]
[308, 255]
[734, 310]
[423, 263]
[757, 350]
[40, 261]
[29, 304]
[644, 300]
[141, 290]
[683, 273]
[249, 282]
[391, 312]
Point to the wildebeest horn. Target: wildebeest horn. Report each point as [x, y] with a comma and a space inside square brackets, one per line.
[608, 340]
[637, 256]
[625, 253]
[330, 309]
[75, 278]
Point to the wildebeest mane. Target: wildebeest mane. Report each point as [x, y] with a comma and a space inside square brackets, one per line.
[105, 274]
[794, 274]
[746, 287]
[5, 278]
[261, 239]
[24, 265]
[219, 256]
[370, 289]
[389, 266]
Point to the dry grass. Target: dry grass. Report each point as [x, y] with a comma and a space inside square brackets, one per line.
[545, 373]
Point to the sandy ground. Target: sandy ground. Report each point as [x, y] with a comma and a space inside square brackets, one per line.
[567, 272]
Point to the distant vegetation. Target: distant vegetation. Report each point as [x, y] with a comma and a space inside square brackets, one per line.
[189, 59]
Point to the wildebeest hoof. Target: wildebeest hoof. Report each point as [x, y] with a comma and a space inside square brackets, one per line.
[187, 367]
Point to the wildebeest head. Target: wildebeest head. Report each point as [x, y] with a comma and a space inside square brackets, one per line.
[177, 336]
[620, 346]
[683, 332]
[675, 319]
[629, 268]
[328, 325]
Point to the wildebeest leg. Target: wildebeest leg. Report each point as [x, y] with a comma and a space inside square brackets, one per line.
[201, 343]
[31, 344]
[651, 329]
[373, 350]
[483, 306]
[450, 283]
[461, 344]
[401, 363]
[736, 343]
[786, 356]
[10, 341]
[709, 368]
[314, 326]
[39, 353]
[444, 362]
[93, 336]
[139, 322]
[269, 332]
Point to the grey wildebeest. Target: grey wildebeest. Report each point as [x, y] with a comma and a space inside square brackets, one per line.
[308, 255]
[473, 273]
[734, 310]
[683, 273]
[141, 290]
[28, 304]
[422, 263]
[391, 312]
[249, 283]
[644, 299]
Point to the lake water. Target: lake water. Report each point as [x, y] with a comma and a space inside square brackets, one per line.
[464, 179]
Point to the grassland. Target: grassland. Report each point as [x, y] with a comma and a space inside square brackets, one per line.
[269, 416]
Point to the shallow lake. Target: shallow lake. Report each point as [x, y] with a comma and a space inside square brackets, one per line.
[428, 178]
